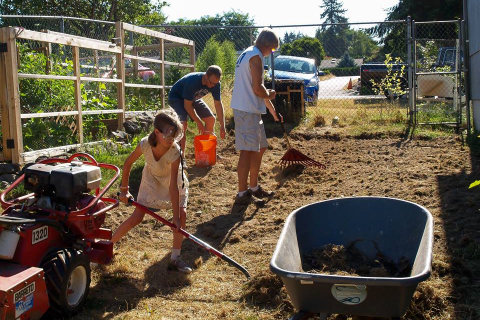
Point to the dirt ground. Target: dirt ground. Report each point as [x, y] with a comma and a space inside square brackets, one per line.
[434, 173]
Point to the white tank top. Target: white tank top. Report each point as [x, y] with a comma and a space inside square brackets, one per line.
[243, 97]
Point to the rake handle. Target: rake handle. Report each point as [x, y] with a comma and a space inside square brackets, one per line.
[191, 237]
[284, 132]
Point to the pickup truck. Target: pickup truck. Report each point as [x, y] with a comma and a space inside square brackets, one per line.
[376, 72]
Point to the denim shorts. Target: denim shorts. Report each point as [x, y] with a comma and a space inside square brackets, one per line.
[200, 107]
[249, 131]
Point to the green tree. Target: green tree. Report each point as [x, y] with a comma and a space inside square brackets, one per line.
[229, 53]
[391, 35]
[222, 54]
[292, 36]
[132, 11]
[332, 32]
[218, 26]
[346, 61]
[360, 44]
[305, 47]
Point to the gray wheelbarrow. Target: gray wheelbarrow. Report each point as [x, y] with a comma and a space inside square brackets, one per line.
[400, 229]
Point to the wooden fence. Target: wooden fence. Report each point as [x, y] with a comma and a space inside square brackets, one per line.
[11, 116]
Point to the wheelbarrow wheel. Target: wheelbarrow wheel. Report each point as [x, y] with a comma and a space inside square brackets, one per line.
[68, 276]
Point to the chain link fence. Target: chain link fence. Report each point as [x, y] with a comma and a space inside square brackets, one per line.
[439, 67]
[346, 74]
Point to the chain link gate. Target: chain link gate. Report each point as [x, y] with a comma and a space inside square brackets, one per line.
[439, 74]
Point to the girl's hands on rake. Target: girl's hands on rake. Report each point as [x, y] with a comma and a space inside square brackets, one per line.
[124, 196]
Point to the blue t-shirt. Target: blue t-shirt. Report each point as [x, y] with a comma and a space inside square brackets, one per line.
[190, 87]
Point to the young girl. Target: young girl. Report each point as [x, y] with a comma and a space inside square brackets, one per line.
[161, 180]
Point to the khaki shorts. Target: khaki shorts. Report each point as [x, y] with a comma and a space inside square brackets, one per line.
[249, 131]
[200, 107]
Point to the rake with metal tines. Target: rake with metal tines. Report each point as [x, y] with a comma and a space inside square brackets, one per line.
[293, 156]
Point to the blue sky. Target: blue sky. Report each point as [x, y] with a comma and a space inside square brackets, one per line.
[273, 13]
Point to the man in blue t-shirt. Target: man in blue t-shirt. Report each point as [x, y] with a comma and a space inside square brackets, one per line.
[185, 98]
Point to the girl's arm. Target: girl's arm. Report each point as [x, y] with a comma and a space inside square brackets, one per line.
[127, 166]
[174, 193]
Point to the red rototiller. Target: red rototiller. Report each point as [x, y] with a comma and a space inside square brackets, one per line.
[49, 237]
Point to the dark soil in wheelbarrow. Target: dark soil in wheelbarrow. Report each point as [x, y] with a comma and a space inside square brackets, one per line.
[350, 261]
[434, 173]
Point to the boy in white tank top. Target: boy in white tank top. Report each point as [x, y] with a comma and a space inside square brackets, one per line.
[250, 99]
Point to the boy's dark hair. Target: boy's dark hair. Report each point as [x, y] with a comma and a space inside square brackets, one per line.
[165, 117]
[214, 70]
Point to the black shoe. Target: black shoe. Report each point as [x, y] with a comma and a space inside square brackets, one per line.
[262, 193]
[248, 198]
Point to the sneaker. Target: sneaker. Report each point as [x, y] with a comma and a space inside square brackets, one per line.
[179, 265]
[262, 193]
[247, 199]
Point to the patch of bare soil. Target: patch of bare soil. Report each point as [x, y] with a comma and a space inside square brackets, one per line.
[433, 173]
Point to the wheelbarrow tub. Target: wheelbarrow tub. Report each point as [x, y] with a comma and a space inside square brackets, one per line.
[399, 228]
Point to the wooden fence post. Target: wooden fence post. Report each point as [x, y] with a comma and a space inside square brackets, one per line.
[15, 138]
[120, 35]
[162, 71]
[78, 93]
[7, 153]
[192, 57]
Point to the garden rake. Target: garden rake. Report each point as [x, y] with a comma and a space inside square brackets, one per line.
[191, 237]
[293, 156]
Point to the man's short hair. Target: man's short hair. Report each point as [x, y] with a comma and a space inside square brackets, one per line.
[214, 70]
[267, 38]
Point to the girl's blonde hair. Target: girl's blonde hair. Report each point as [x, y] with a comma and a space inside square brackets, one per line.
[267, 38]
[164, 118]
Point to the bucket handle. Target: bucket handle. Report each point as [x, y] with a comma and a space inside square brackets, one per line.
[210, 132]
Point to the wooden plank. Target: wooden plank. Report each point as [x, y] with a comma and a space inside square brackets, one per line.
[7, 153]
[146, 86]
[31, 156]
[100, 42]
[67, 113]
[93, 79]
[44, 76]
[120, 33]
[68, 40]
[13, 95]
[192, 58]
[156, 34]
[155, 46]
[48, 114]
[90, 112]
[78, 93]
[182, 65]
[135, 63]
[138, 58]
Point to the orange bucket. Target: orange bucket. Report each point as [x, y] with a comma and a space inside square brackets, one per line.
[205, 150]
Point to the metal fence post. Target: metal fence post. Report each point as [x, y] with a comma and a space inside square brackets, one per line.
[414, 74]
[466, 76]
[62, 25]
[410, 75]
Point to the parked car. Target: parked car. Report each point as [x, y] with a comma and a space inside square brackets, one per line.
[299, 68]
[143, 72]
